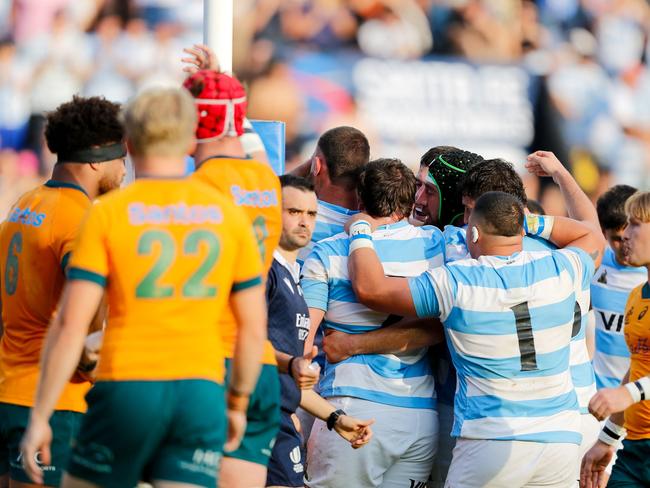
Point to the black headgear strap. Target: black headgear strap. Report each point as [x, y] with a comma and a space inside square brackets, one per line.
[93, 154]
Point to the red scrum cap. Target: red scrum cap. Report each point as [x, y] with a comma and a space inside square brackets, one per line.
[221, 103]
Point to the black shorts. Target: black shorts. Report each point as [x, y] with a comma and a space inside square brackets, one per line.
[286, 466]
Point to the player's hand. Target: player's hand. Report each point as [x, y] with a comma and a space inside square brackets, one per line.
[544, 163]
[337, 345]
[201, 57]
[357, 432]
[87, 366]
[34, 446]
[361, 216]
[306, 373]
[594, 464]
[610, 400]
[236, 429]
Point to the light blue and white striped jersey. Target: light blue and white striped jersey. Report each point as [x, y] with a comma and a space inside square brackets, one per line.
[330, 221]
[582, 370]
[610, 289]
[508, 323]
[403, 380]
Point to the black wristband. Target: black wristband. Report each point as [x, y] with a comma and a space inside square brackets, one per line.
[334, 416]
[289, 371]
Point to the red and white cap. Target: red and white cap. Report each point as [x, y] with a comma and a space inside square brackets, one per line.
[221, 102]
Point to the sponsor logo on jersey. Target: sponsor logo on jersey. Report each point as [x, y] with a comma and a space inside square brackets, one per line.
[302, 324]
[254, 198]
[175, 213]
[26, 217]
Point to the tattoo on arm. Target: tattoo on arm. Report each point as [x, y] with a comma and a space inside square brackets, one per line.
[594, 255]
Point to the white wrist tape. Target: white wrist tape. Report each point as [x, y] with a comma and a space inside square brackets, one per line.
[639, 389]
[360, 235]
[612, 434]
[539, 225]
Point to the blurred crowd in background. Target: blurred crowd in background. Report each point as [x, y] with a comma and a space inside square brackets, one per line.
[583, 65]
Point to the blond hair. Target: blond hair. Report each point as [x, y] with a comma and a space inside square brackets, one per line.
[638, 206]
[160, 122]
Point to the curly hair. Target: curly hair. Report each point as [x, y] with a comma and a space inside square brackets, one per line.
[82, 123]
[493, 175]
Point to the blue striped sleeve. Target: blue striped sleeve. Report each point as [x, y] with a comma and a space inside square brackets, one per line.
[588, 267]
[424, 296]
[314, 282]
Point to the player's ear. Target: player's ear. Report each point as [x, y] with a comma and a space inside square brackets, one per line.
[95, 166]
[317, 164]
[475, 234]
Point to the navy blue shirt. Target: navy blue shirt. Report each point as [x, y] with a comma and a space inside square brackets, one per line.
[288, 320]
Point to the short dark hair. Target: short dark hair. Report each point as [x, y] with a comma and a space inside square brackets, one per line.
[83, 123]
[499, 213]
[535, 207]
[493, 175]
[346, 151]
[447, 167]
[387, 186]
[611, 207]
[298, 182]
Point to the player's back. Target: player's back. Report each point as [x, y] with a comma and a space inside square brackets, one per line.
[255, 188]
[509, 323]
[403, 379]
[610, 290]
[330, 220]
[35, 242]
[169, 251]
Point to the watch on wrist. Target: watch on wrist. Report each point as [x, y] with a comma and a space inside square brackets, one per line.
[333, 418]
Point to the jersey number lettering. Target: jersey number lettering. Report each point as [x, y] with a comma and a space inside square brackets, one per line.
[261, 233]
[11, 266]
[194, 286]
[525, 335]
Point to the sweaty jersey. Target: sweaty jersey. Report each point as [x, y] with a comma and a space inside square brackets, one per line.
[610, 290]
[255, 188]
[508, 323]
[35, 243]
[637, 336]
[402, 380]
[582, 370]
[169, 252]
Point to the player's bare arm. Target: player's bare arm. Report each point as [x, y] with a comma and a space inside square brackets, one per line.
[572, 233]
[316, 316]
[357, 432]
[249, 307]
[578, 204]
[406, 335]
[372, 288]
[61, 353]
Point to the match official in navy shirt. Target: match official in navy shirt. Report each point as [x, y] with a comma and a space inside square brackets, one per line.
[288, 328]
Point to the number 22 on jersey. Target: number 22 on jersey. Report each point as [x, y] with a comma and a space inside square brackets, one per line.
[151, 285]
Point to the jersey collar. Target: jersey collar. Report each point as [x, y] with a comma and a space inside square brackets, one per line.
[293, 268]
[63, 184]
[645, 291]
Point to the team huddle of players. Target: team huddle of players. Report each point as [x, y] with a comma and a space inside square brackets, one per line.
[170, 331]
